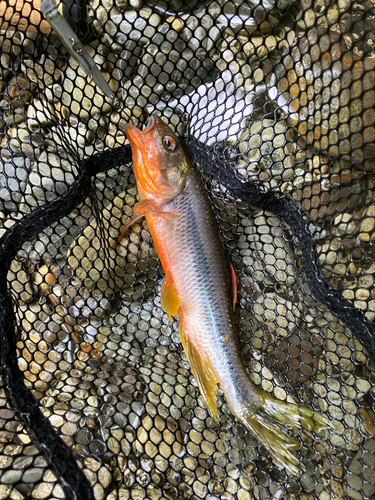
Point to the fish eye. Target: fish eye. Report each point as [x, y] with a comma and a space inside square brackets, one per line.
[170, 143]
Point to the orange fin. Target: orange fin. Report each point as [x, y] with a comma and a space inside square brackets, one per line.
[205, 377]
[169, 298]
[140, 210]
[143, 207]
[126, 228]
[234, 286]
[166, 215]
[148, 207]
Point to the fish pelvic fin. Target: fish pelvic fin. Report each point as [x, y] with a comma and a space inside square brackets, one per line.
[271, 422]
[168, 297]
[203, 373]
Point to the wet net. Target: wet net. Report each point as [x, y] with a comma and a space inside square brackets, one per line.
[275, 103]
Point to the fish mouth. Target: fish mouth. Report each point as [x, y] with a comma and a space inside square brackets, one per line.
[137, 136]
[150, 124]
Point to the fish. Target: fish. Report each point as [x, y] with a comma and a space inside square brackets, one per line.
[197, 289]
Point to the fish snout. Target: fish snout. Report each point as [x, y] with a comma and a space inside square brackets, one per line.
[139, 137]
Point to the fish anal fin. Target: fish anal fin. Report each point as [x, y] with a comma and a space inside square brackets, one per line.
[169, 298]
[203, 373]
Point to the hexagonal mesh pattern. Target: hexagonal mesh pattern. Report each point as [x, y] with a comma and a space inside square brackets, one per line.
[284, 94]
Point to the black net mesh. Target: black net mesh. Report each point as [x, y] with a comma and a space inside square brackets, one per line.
[276, 105]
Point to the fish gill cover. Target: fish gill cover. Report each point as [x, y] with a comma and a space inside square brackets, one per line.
[274, 102]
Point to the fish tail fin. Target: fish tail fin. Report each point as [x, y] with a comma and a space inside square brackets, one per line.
[271, 422]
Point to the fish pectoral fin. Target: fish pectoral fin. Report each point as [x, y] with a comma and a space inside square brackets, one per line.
[126, 228]
[140, 210]
[144, 207]
[149, 207]
[203, 373]
[166, 215]
[169, 298]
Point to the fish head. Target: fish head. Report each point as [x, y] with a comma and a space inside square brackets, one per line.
[160, 162]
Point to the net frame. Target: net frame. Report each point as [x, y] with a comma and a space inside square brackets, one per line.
[341, 159]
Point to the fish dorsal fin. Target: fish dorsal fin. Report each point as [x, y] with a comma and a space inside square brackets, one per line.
[234, 286]
[169, 298]
[203, 373]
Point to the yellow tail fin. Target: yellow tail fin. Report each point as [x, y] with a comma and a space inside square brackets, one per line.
[272, 420]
